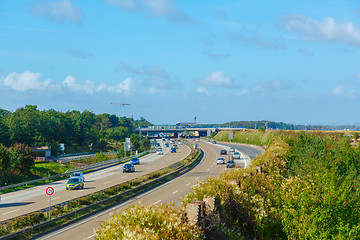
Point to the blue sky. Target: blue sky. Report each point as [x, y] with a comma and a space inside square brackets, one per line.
[289, 61]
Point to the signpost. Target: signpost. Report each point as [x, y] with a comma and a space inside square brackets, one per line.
[50, 191]
[231, 136]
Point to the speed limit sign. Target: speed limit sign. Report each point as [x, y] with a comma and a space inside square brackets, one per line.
[49, 191]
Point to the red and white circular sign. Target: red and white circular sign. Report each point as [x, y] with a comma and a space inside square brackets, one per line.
[50, 191]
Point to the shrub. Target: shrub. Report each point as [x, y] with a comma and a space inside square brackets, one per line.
[151, 222]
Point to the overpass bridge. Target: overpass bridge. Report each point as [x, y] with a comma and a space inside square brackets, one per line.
[176, 131]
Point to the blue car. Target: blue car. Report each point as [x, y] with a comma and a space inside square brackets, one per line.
[128, 168]
[135, 160]
[173, 150]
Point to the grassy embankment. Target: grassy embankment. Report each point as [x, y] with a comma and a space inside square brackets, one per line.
[308, 188]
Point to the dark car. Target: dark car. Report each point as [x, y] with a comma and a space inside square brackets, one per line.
[129, 167]
[230, 164]
[135, 160]
[173, 150]
[213, 142]
[223, 152]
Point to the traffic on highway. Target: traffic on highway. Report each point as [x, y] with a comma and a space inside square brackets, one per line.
[171, 191]
[28, 200]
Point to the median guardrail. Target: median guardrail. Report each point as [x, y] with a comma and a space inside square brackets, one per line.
[88, 167]
[117, 199]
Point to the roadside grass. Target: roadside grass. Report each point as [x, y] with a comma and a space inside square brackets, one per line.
[47, 169]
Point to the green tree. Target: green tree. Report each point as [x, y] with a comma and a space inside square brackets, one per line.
[22, 158]
[135, 140]
[117, 133]
[145, 144]
[4, 161]
[24, 125]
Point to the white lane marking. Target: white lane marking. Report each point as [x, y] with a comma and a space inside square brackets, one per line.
[11, 211]
[123, 177]
[55, 198]
[148, 168]
[188, 184]
[91, 236]
[175, 192]
[208, 169]
[107, 182]
[157, 202]
[197, 178]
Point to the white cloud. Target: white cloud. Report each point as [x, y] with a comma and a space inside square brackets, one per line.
[58, 11]
[89, 87]
[271, 86]
[125, 87]
[159, 7]
[306, 52]
[25, 81]
[327, 30]
[357, 76]
[29, 81]
[156, 91]
[256, 40]
[125, 4]
[215, 56]
[243, 92]
[154, 8]
[339, 90]
[202, 90]
[80, 54]
[72, 84]
[147, 70]
[218, 79]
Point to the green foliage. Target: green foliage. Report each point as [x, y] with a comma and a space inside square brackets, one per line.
[152, 222]
[100, 157]
[308, 188]
[28, 126]
[142, 122]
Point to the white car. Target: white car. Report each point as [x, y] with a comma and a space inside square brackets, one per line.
[175, 146]
[232, 149]
[159, 152]
[220, 160]
[78, 174]
[236, 155]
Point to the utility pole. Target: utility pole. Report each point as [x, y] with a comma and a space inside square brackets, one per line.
[123, 106]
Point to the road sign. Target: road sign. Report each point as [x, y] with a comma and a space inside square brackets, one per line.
[231, 136]
[50, 191]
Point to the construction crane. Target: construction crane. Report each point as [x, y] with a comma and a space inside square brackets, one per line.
[123, 106]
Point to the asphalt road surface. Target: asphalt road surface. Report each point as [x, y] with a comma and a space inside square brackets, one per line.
[28, 200]
[172, 191]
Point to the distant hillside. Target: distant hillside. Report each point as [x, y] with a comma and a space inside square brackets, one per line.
[279, 126]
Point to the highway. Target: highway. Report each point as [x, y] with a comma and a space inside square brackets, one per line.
[28, 200]
[172, 191]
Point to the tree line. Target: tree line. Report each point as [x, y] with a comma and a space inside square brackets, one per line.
[29, 126]
[33, 127]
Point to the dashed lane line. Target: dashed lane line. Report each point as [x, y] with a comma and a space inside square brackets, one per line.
[157, 202]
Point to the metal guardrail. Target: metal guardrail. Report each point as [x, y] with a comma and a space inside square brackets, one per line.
[140, 189]
[88, 167]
